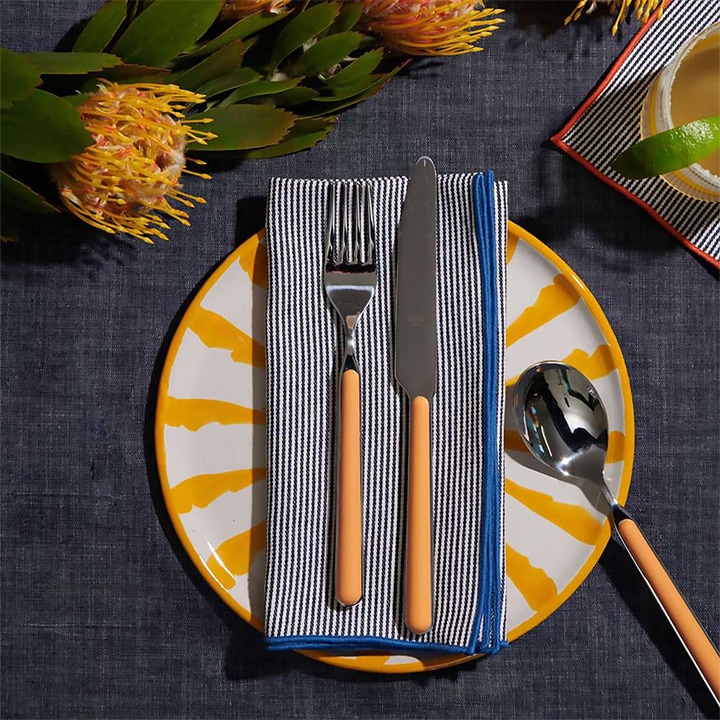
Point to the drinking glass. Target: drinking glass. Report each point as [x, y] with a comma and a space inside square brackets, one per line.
[685, 90]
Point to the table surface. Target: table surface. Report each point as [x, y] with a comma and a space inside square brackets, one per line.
[102, 616]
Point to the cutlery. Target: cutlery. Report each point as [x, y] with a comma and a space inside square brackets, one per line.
[350, 277]
[563, 422]
[415, 370]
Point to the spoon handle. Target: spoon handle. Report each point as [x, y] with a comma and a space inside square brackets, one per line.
[699, 646]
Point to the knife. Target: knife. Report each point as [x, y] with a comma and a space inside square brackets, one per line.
[416, 370]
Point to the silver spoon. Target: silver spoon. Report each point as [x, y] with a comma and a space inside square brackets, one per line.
[563, 422]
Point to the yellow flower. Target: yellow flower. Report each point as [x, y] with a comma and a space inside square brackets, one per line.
[430, 27]
[126, 178]
[240, 8]
[643, 9]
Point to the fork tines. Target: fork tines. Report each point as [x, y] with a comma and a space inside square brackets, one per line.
[355, 243]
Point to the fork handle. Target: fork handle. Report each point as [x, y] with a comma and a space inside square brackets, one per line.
[348, 563]
[418, 573]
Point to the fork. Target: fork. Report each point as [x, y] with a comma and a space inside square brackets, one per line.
[350, 278]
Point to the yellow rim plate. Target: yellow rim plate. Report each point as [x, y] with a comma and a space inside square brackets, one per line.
[210, 439]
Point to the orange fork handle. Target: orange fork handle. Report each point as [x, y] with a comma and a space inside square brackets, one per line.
[348, 564]
[418, 573]
[698, 644]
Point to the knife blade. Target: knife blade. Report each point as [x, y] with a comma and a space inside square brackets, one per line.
[416, 371]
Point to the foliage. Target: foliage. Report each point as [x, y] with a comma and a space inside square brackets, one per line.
[273, 82]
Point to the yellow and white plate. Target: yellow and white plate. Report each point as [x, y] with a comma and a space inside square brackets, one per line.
[210, 439]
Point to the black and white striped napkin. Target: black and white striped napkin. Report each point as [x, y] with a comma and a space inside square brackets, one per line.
[609, 122]
[304, 350]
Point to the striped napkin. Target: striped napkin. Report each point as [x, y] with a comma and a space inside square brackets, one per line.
[608, 122]
[304, 350]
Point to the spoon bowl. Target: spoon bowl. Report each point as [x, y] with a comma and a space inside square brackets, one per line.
[563, 422]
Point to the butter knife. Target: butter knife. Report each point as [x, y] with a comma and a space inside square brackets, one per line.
[416, 371]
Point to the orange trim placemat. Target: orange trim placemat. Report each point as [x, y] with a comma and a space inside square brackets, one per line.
[608, 122]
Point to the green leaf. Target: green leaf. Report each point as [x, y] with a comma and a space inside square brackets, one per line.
[42, 128]
[126, 73]
[303, 135]
[18, 195]
[316, 109]
[76, 100]
[241, 127]
[260, 87]
[348, 17]
[232, 80]
[357, 69]
[295, 96]
[325, 53]
[134, 8]
[101, 27]
[347, 91]
[70, 63]
[301, 29]
[17, 78]
[216, 66]
[165, 29]
[238, 31]
[135, 73]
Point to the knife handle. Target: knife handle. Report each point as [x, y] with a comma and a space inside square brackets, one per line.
[682, 618]
[418, 572]
[348, 563]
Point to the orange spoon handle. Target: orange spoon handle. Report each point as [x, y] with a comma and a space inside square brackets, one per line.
[348, 564]
[698, 644]
[418, 574]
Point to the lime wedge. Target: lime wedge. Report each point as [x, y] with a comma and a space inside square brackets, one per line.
[670, 150]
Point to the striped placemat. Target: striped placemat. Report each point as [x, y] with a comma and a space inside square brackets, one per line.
[608, 122]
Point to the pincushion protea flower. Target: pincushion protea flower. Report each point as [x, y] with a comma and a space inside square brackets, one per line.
[241, 8]
[430, 27]
[128, 176]
[643, 9]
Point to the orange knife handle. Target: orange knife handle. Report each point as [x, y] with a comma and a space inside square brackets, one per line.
[418, 573]
[699, 646]
[348, 562]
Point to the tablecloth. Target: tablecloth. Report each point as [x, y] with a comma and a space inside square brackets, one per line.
[102, 616]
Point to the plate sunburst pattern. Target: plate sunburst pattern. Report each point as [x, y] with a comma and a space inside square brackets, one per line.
[210, 439]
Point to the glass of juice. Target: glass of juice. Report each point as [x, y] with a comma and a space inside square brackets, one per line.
[685, 90]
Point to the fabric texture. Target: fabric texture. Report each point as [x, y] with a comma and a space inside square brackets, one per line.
[103, 616]
[609, 122]
[304, 355]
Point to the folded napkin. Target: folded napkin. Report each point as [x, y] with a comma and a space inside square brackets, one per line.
[608, 122]
[304, 350]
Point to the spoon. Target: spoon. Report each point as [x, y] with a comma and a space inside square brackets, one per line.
[563, 422]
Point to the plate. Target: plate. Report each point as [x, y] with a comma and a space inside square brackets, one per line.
[210, 440]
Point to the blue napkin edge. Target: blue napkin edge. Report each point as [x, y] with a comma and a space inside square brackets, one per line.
[370, 642]
[489, 608]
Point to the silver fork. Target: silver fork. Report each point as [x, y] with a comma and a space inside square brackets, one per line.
[350, 279]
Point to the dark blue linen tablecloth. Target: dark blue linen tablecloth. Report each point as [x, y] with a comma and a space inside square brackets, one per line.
[99, 616]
